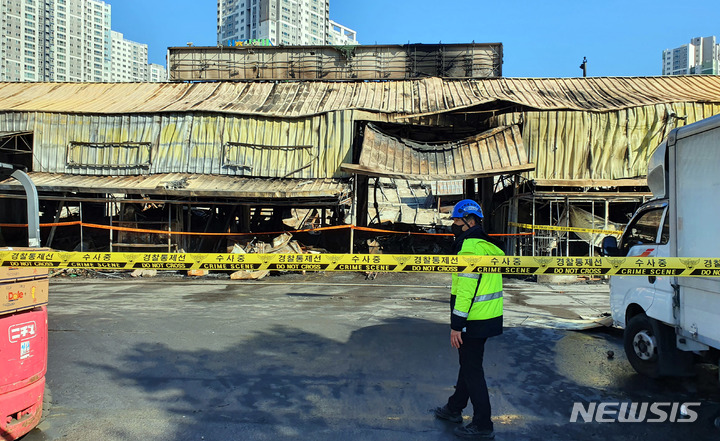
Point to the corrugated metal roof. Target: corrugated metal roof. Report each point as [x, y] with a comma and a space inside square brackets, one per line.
[188, 185]
[497, 151]
[412, 97]
[215, 144]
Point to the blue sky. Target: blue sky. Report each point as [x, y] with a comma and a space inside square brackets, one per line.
[541, 38]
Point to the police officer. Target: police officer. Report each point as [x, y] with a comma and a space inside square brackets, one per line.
[476, 302]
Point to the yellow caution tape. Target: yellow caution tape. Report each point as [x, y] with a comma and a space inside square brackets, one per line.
[571, 229]
[629, 266]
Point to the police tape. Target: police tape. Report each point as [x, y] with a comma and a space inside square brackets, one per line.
[519, 265]
[570, 229]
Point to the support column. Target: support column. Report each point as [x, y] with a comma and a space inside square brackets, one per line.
[58, 215]
[244, 218]
[487, 187]
[82, 245]
[567, 224]
[469, 187]
[513, 218]
[363, 198]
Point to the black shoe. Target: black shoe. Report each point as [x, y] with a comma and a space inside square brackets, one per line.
[446, 414]
[471, 431]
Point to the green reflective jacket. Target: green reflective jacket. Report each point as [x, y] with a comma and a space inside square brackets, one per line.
[477, 299]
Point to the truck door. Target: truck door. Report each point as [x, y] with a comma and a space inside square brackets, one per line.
[647, 235]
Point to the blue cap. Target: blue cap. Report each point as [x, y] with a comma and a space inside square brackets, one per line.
[467, 207]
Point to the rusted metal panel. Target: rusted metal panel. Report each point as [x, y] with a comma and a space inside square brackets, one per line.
[592, 146]
[217, 144]
[401, 99]
[497, 151]
[188, 185]
[376, 62]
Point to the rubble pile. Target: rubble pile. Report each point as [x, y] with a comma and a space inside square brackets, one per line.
[283, 244]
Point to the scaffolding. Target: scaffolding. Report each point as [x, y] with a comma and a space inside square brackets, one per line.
[553, 208]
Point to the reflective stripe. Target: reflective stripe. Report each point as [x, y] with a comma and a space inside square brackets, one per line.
[488, 297]
[470, 276]
[460, 313]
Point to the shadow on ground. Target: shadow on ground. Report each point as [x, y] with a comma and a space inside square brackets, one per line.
[381, 383]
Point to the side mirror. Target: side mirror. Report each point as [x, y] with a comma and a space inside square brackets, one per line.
[610, 247]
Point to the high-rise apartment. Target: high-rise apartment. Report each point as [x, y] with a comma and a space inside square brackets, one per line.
[23, 40]
[156, 73]
[701, 56]
[282, 22]
[55, 40]
[66, 40]
[129, 60]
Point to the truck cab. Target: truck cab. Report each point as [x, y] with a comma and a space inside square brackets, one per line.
[666, 318]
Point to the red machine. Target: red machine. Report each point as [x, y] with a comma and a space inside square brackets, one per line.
[23, 361]
[23, 332]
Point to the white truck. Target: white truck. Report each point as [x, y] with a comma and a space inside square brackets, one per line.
[668, 318]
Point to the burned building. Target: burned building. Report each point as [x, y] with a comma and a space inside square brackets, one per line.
[237, 157]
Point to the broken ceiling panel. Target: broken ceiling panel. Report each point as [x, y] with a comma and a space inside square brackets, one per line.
[188, 185]
[495, 152]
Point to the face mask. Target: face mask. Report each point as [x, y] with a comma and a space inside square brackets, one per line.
[457, 230]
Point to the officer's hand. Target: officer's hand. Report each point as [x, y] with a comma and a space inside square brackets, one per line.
[455, 339]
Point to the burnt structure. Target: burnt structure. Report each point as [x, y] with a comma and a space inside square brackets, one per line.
[236, 157]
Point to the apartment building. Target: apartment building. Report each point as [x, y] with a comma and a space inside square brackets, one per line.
[282, 22]
[129, 60]
[67, 40]
[156, 73]
[55, 40]
[700, 57]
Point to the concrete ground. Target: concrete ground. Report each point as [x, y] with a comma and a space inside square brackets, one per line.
[333, 356]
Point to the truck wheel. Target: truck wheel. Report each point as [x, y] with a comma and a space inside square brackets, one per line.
[642, 342]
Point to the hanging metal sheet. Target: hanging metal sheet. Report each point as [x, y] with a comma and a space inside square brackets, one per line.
[495, 152]
[593, 146]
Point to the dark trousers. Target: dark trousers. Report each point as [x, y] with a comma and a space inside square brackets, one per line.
[471, 383]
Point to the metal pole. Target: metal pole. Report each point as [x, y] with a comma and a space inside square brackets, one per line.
[188, 227]
[592, 236]
[354, 214]
[607, 212]
[567, 224]
[54, 227]
[32, 206]
[82, 245]
[532, 238]
[554, 234]
[169, 227]
[110, 208]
